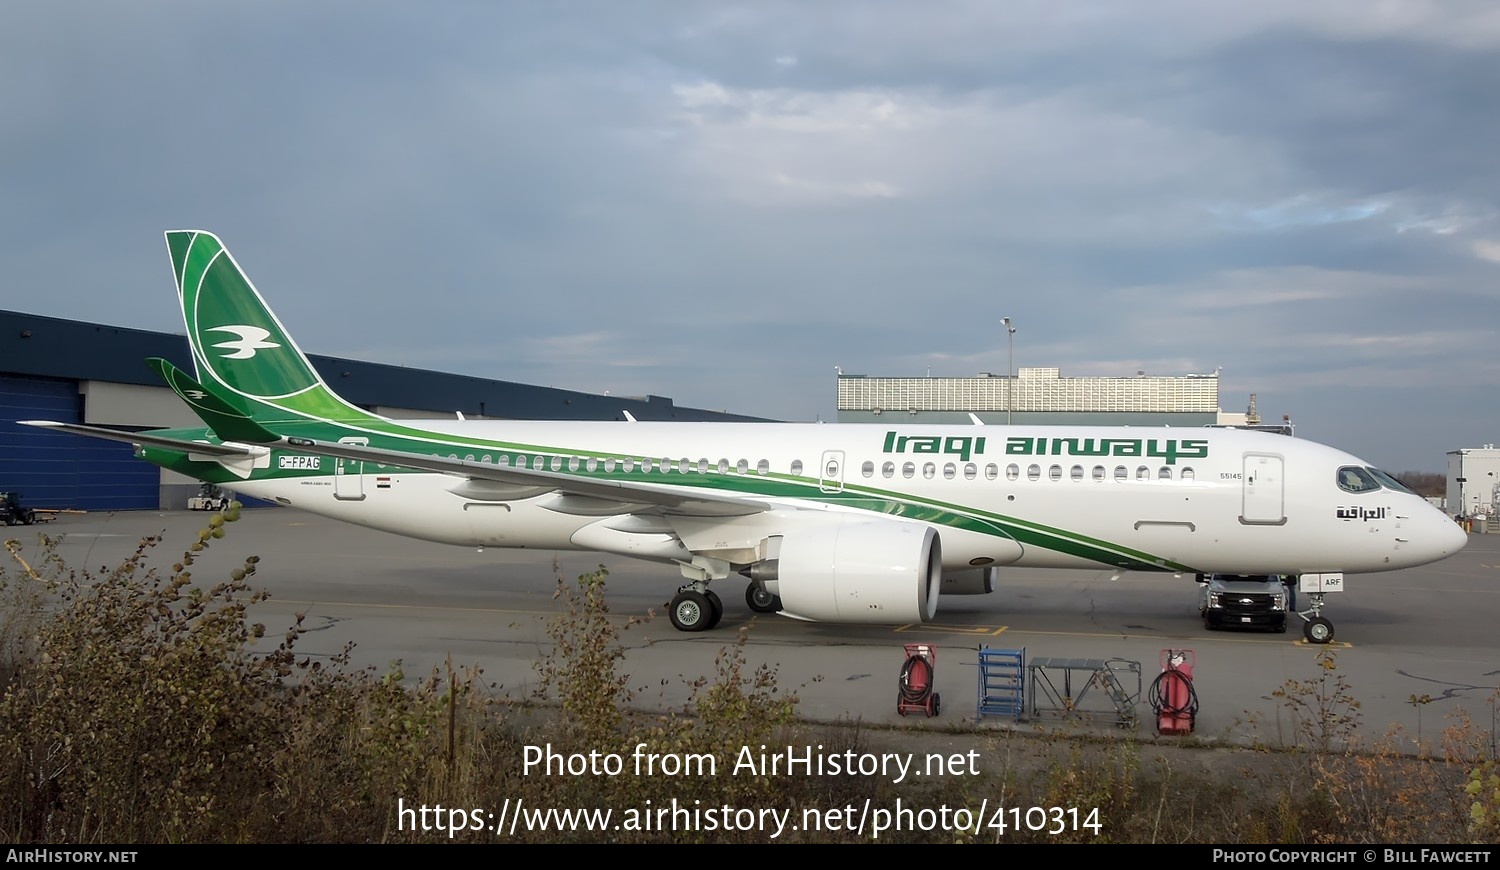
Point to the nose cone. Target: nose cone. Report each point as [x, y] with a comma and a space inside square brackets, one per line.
[1439, 537]
[1455, 539]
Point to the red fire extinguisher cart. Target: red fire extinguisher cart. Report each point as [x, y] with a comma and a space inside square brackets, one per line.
[918, 677]
[1173, 696]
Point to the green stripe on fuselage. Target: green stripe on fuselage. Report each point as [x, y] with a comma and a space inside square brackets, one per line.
[771, 485]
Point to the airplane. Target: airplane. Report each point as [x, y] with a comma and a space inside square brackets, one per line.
[845, 522]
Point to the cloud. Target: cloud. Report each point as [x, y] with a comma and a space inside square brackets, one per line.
[719, 203]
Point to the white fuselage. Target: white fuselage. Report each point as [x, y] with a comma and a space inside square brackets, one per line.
[1218, 500]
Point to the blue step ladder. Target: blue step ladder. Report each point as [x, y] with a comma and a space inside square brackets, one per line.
[1002, 682]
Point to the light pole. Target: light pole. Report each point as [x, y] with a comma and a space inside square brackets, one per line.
[1010, 368]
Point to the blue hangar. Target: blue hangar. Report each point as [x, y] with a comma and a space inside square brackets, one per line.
[78, 372]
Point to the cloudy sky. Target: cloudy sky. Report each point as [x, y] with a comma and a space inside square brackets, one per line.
[721, 202]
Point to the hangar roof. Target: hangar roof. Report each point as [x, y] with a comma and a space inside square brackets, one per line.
[52, 347]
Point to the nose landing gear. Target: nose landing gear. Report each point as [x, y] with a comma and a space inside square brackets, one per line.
[1316, 628]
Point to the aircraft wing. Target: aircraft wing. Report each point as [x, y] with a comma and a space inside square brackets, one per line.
[143, 438]
[588, 496]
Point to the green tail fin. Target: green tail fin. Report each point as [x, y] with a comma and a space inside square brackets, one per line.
[239, 347]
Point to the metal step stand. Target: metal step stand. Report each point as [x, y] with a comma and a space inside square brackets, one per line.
[1002, 682]
[1123, 698]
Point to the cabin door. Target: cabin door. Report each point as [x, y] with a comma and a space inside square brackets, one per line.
[348, 474]
[1264, 493]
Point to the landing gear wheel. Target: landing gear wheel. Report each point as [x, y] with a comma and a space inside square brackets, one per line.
[937, 703]
[717, 605]
[1318, 630]
[691, 611]
[760, 600]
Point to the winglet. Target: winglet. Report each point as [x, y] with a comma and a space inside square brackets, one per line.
[629, 416]
[975, 417]
[229, 421]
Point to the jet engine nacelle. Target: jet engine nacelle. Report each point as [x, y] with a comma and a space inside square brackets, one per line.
[858, 570]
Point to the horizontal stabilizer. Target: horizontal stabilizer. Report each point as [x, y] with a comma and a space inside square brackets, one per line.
[222, 414]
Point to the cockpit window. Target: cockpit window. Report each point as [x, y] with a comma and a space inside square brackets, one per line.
[1390, 482]
[1352, 478]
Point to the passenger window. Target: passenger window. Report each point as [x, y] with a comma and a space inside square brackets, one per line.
[867, 469]
[1143, 473]
[1076, 472]
[763, 467]
[950, 471]
[723, 466]
[1033, 472]
[702, 466]
[1012, 472]
[1055, 472]
[971, 471]
[796, 468]
[1098, 472]
[684, 465]
[1187, 473]
[929, 470]
[538, 462]
[609, 466]
[742, 466]
[630, 466]
[888, 469]
[592, 464]
[1122, 473]
[908, 469]
[557, 463]
[646, 465]
[573, 463]
[504, 461]
[1165, 473]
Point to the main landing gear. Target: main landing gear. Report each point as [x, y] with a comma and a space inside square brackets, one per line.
[760, 600]
[695, 609]
[1316, 628]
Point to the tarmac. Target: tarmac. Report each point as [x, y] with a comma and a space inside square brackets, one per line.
[1414, 651]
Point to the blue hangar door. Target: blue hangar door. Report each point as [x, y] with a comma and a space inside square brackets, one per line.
[58, 470]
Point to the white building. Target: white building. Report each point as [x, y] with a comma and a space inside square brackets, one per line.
[1474, 481]
[1042, 396]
